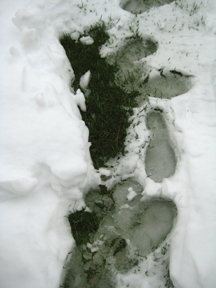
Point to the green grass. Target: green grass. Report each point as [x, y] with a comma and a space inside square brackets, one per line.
[82, 224]
[108, 106]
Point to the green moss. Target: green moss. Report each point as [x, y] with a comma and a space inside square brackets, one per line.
[108, 106]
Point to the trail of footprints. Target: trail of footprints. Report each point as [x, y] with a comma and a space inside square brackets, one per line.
[128, 232]
[131, 229]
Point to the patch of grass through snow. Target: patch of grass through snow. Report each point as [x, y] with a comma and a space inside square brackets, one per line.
[108, 105]
[82, 224]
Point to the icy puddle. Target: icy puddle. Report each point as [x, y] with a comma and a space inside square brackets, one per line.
[129, 230]
[140, 6]
[160, 160]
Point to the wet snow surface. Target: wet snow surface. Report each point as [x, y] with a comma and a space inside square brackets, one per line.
[158, 228]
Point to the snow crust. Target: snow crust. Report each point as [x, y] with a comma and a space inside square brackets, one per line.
[45, 162]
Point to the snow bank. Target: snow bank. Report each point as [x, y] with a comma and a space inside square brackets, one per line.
[45, 161]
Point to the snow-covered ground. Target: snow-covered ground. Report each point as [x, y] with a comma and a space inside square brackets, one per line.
[45, 161]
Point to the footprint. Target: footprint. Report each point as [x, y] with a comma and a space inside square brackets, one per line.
[165, 84]
[136, 49]
[153, 225]
[86, 272]
[127, 58]
[140, 6]
[128, 231]
[160, 160]
[145, 224]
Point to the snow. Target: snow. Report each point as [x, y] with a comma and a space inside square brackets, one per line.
[84, 80]
[87, 40]
[46, 167]
[80, 100]
[131, 194]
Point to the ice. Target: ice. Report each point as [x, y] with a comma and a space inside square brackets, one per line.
[160, 160]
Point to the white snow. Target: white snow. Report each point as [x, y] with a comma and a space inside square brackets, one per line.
[45, 161]
[75, 35]
[87, 40]
[80, 100]
[131, 194]
[84, 80]
[44, 148]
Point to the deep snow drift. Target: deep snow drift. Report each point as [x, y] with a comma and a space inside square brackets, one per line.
[46, 167]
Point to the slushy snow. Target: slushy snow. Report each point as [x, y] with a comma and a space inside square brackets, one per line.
[46, 168]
